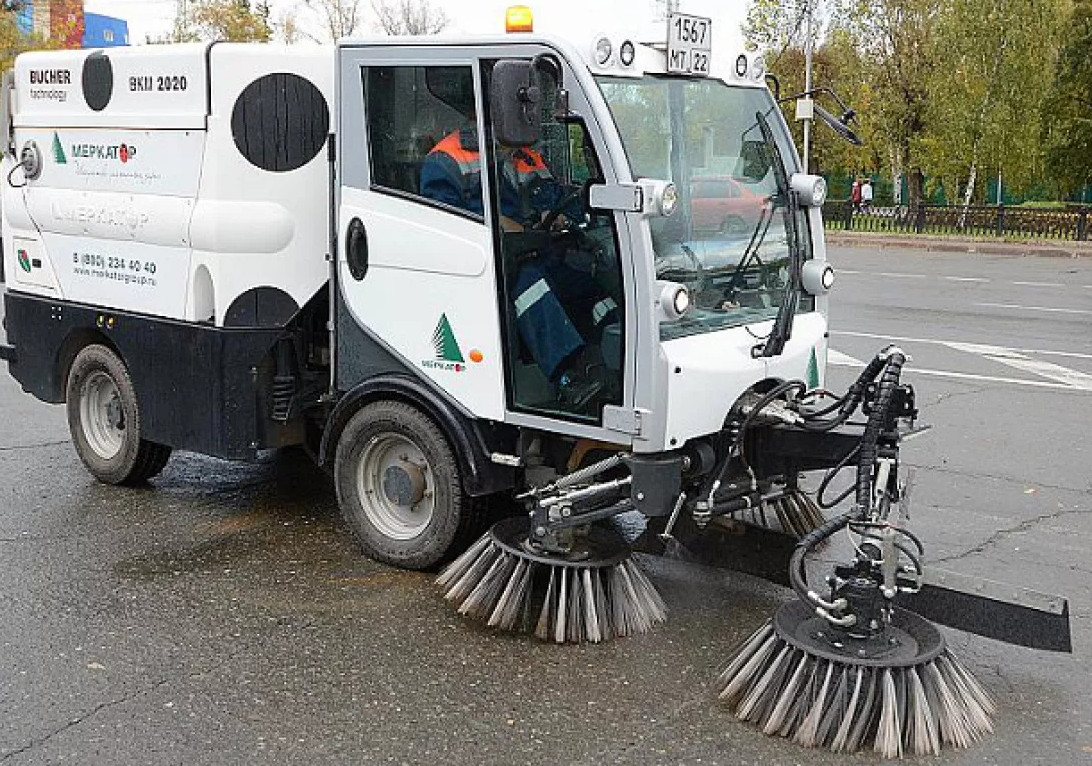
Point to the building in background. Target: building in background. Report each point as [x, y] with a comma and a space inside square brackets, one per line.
[104, 31]
[66, 20]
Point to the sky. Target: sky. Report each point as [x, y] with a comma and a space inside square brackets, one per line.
[584, 18]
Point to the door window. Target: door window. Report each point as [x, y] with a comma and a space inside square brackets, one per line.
[560, 275]
[422, 134]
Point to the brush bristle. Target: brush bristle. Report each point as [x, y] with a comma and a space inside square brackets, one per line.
[844, 707]
[795, 514]
[561, 603]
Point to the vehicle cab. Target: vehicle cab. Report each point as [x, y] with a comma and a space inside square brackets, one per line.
[565, 277]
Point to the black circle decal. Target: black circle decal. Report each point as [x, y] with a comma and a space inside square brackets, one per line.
[280, 122]
[98, 81]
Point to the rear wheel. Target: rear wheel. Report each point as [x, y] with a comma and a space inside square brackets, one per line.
[104, 420]
[400, 489]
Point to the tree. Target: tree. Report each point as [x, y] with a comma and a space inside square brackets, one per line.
[985, 99]
[1066, 124]
[775, 26]
[229, 20]
[409, 17]
[340, 18]
[897, 41]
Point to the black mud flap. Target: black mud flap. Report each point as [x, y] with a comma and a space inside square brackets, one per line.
[992, 609]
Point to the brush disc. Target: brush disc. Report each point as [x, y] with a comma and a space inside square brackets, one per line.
[901, 692]
[594, 592]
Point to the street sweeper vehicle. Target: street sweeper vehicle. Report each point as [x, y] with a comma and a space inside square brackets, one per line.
[466, 275]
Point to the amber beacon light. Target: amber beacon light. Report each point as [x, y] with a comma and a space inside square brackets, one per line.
[518, 18]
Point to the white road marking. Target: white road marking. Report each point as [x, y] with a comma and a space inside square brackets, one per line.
[839, 359]
[832, 360]
[1017, 307]
[967, 279]
[1018, 361]
[935, 342]
[850, 271]
[898, 275]
[1039, 284]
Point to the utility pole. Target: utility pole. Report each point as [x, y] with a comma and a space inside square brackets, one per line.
[809, 113]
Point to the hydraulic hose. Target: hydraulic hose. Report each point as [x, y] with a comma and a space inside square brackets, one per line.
[885, 390]
[798, 577]
[847, 405]
[717, 475]
[890, 362]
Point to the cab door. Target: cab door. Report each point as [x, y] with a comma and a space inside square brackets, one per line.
[427, 282]
[417, 291]
[565, 269]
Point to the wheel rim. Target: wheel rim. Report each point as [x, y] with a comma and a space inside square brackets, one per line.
[396, 486]
[102, 416]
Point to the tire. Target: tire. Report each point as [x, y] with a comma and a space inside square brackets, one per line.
[399, 487]
[104, 420]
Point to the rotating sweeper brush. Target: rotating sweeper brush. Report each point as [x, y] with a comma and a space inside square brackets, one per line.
[592, 592]
[556, 573]
[854, 670]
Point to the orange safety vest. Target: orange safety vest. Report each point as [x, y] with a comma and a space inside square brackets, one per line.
[527, 163]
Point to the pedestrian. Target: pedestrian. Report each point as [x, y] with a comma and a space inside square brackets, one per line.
[866, 195]
[855, 195]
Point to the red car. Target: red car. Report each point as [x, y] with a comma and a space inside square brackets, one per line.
[721, 203]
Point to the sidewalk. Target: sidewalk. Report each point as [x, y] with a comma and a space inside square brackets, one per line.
[956, 244]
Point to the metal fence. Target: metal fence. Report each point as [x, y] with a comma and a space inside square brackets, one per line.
[976, 220]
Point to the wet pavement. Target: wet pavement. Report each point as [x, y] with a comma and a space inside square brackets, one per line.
[223, 614]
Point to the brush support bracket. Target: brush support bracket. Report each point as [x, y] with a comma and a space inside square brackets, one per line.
[905, 641]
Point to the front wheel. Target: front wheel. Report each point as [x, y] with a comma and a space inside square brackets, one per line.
[399, 487]
[104, 420]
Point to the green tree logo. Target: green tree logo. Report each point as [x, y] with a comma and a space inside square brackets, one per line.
[58, 150]
[443, 340]
[813, 371]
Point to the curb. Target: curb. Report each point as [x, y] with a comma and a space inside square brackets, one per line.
[1037, 248]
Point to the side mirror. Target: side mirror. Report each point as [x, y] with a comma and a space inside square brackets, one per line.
[515, 101]
[840, 126]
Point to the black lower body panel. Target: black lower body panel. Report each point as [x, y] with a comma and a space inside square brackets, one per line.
[199, 387]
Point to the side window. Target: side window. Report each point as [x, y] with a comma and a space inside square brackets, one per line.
[422, 134]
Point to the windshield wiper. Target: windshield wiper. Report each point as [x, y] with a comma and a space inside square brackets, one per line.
[758, 236]
[782, 327]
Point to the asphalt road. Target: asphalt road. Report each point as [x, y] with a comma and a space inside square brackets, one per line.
[222, 615]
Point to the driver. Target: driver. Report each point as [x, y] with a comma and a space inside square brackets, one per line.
[544, 285]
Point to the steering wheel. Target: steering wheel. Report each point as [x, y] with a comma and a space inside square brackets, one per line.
[548, 222]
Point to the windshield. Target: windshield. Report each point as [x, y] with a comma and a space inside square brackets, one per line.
[728, 241]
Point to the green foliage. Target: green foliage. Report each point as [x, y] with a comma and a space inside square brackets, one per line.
[949, 90]
[985, 98]
[1066, 124]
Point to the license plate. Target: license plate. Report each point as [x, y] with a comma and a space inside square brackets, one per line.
[689, 44]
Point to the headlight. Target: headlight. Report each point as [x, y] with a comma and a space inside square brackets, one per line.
[627, 52]
[603, 49]
[758, 67]
[817, 277]
[812, 190]
[669, 200]
[681, 301]
[674, 300]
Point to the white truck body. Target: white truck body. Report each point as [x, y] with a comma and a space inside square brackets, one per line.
[146, 203]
